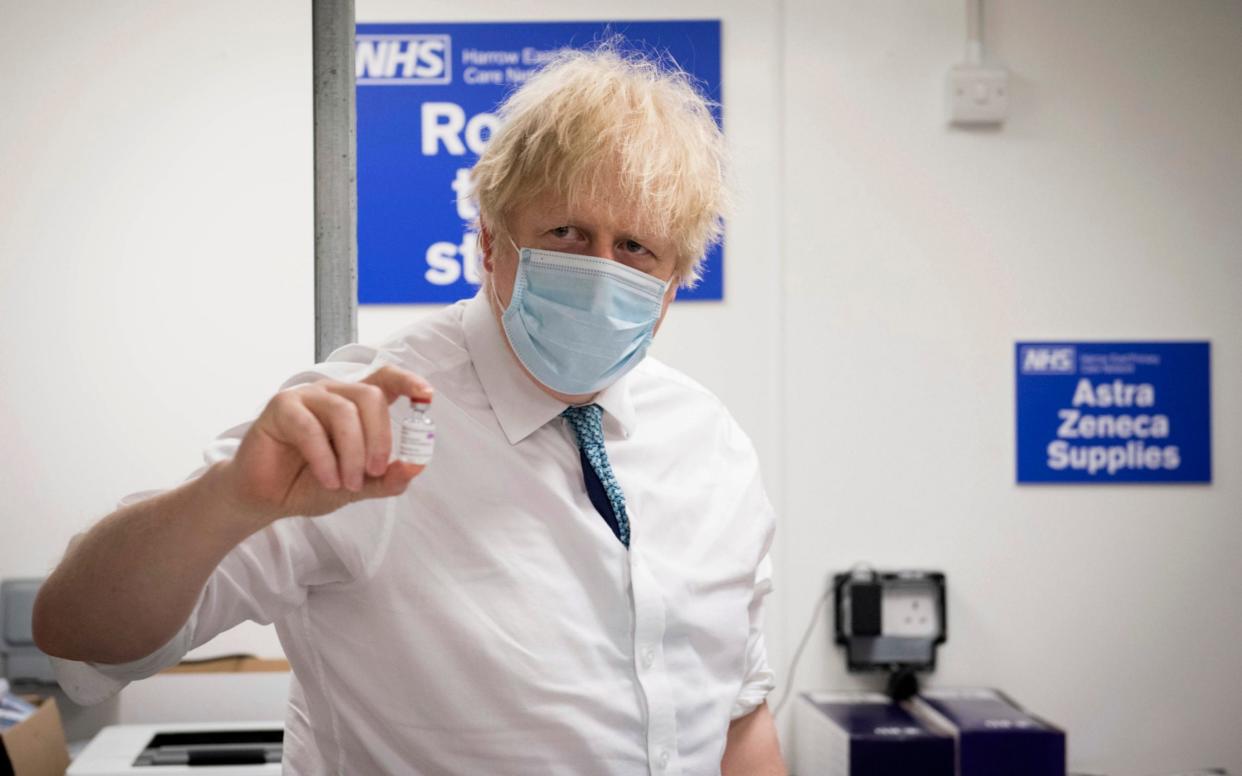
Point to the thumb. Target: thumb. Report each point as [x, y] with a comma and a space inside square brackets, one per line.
[392, 482]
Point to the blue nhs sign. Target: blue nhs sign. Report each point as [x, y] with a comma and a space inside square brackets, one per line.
[427, 96]
[1114, 412]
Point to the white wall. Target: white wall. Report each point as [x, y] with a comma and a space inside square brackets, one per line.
[156, 247]
[1108, 207]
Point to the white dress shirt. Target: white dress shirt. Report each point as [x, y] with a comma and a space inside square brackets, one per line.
[488, 621]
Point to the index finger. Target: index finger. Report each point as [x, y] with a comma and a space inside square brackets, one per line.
[396, 382]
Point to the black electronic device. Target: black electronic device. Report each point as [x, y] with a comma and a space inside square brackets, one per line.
[891, 621]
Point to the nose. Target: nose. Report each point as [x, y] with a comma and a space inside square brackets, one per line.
[604, 247]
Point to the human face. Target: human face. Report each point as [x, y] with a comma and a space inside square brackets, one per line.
[589, 228]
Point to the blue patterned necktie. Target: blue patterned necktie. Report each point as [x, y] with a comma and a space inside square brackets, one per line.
[601, 483]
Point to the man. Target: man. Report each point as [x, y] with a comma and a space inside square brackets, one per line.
[575, 583]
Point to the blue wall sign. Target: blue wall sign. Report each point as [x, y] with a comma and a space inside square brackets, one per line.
[427, 95]
[1114, 412]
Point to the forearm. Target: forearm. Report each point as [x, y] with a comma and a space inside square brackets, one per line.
[753, 748]
[130, 583]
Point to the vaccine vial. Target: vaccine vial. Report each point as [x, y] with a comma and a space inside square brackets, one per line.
[418, 434]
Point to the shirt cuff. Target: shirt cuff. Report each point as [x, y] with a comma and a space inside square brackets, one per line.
[753, 693]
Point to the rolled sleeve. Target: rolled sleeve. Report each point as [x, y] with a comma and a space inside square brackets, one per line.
[759, 678]
[88, 683]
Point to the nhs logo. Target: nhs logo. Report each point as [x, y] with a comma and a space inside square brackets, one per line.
[1043, 359]
[408, 59]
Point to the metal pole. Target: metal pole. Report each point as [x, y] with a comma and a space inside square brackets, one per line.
[336, 195]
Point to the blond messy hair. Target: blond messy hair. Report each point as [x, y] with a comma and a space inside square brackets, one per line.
[602, 125]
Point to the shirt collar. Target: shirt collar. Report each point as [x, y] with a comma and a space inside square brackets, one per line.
[521, 406]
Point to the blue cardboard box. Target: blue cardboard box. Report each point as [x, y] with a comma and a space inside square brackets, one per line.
[995, 736]
[866, 734]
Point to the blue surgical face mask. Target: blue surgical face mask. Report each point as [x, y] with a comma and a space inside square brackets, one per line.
[578, 323]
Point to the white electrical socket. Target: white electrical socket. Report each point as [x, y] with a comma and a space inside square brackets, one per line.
[909, 611]
[977, 95]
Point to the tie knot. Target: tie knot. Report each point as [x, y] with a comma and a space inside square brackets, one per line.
[585, 411]
[586, 421]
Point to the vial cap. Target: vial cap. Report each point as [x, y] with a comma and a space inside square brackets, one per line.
[420, 403]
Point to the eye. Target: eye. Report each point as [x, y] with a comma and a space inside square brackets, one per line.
[565, 233]
[637, 248]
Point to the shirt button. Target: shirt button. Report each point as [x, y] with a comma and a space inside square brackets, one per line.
[648, 657]
[664, 759]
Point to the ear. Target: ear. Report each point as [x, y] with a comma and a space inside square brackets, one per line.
[486, 241]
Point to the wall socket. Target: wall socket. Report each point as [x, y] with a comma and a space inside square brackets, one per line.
[977, 95]
[909, 611]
